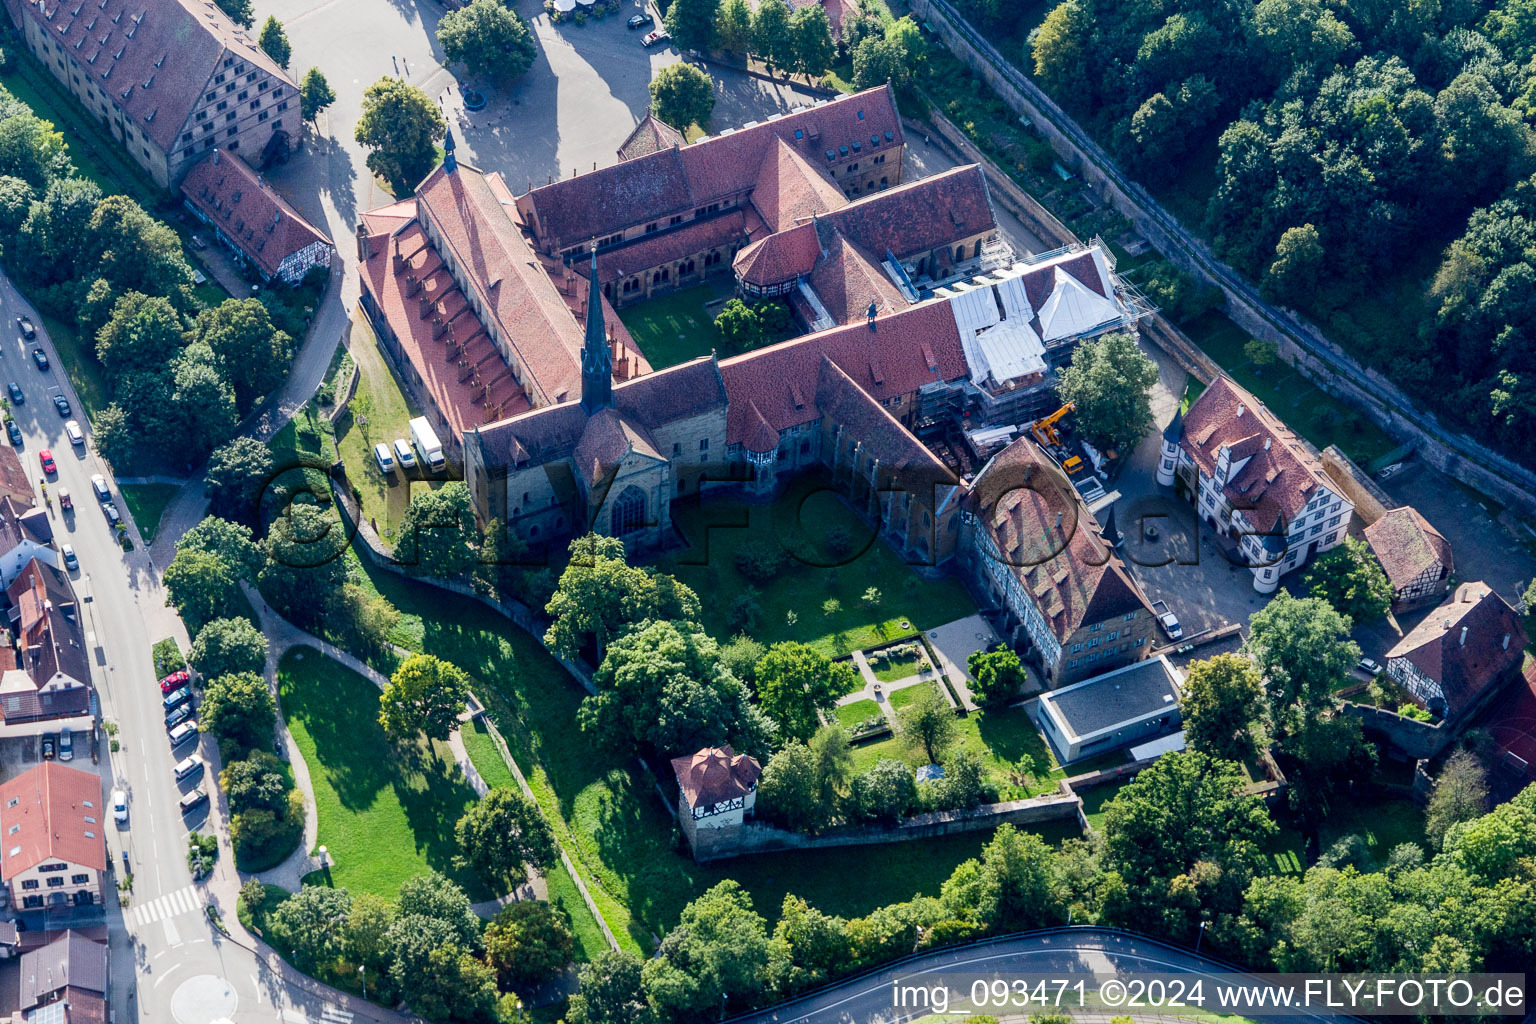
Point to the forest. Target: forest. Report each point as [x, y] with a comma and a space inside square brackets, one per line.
[1367, 162]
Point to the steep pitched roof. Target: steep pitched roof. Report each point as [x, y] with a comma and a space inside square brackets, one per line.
[14, 481]
[69, 961]
[57, 815]
[45, 617]
[1406, 545]
[651, 135]
[605, 439]
[653, 250]
[1050, 541]
[248, 210]
[716, 774]
[1073, 308]
[847, 279]
[152, 58]
[789, 190]
[1465, 644]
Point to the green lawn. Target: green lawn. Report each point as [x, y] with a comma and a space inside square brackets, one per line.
[384, 816]
[889, 670]
[1000, 736]
[718, 529]
[675, 328]
[901, 698]
[604, 807]
[850, 715]
[78, 355]
[146, 503]
[1094, 800]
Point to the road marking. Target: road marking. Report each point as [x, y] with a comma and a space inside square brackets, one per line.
[334, 1016]
[181, 901]
[172, 936]
[294, 1016]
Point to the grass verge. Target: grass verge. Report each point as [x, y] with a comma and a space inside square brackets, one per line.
[146, 503]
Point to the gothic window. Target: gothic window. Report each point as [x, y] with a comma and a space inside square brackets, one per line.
[628, 512]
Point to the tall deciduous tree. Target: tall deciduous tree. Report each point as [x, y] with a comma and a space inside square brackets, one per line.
[772, 39]
[1011, 887]
[489, 38]
[501, 835]
[528, 942]
[401, 126]
[795, 682]
[239, 708]
[733, 26]
[252, 353]
[228, 645]
[928, 723]
[718, 952]
[1460, 794]
[238, 472]
[691, 23]
[600, 594]
[682, 95]
[1108, 380]
[312, 920]
[131, 250]
[274, 41]
[1349, 578]
[315, 94]
[141, 331]
[1293, 276]
[437, 535]
[200, 586]
[1302, 647]
[790, 789]
[239, 11]
[814, 49]
[1223, 707]
[998, 675]
[610, 991]
[425, 695]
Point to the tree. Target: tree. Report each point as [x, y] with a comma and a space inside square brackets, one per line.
[226, 646]
[1223, 707]
[885, 791]
[717, 952]
[364, 617]
[489, 38]
[253, 893]
[807, 947]
[501, 834]
[305, 566]
[312, 921]
[1349, 578]
[1328, 749]
[140, 331]
[238, 473]
[1293, 277]
[964, 784]
[813, 46]
[795, 682]
[53, 229]
[772, 39]
[1494, 845]
[274, 42]
[733, 26]
[402, 126]
[996, 675]
[928, 723]
[443, 978]
[425, 695]
[202, 401]
[200, 586]
[1108, 382]
[610, 991]
[31, 150]
[691, 23]
[1061, 46]
[790, 789]
[437, 534]
[1010, 888]
[230, 541]
[1460, 794]
[255, 782]
[600, 594]
[239, 708]
[833, 755]
[315, 94]
[662, 687]
[17, 196]
[740, 327]
[440, 899]
[1302, 648]
[239, 12]
[681, 95]
[876, 61]
[131, 249]
[251, 352]
[366, 938]
[528, 942]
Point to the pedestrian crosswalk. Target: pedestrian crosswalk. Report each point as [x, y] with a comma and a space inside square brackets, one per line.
[181, 901]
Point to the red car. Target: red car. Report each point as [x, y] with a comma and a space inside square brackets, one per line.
[174, 681]
[46, 458]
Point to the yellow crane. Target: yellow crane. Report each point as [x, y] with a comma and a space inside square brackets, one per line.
[1045, 429]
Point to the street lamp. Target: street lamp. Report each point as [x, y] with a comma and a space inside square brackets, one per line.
[1200, 936]
[722, 1006]
[919, 940]
[362, 973]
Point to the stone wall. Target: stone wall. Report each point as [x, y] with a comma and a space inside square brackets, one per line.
[1409, 737]
[759, 837]
[1370, 501]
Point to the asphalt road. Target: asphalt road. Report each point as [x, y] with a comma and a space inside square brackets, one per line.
[1074, 952]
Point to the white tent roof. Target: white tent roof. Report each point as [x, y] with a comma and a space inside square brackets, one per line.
[1073, 308]
[999, 344]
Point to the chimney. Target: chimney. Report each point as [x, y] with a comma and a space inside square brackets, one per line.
[423, 307]
[1463, 636]
[1505, 644]
[399, 260]
[1266, 443]
[1240, 410]
[215, 158]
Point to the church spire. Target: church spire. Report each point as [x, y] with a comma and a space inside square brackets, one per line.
[596, 360]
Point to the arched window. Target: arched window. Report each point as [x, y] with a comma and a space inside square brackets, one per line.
[978, 250]
[959, 253]
[628, 512]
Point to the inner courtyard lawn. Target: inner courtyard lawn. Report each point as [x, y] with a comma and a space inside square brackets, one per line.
[385, 815]
[675, 328]
[794, 605]
[1000, 736]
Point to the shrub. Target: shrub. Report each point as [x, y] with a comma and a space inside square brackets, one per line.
[168, 657]
[759, 561]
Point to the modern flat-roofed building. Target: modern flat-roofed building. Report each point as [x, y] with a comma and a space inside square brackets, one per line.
[1130, 705]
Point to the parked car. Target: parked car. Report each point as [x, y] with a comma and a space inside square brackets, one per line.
[15, 432]
[70, 561]
[403, 454]
[193, 800]
[18, 396]
[25, 326]
[188, 766]
[49, 748]
[655, 39]
[176, 698]
[1370, 666]
[113, 515]
[641, 21]
[40, 358]
[382, 456]
[178, 716]
[62, 404]
[66, 745]
[99, 485]
[119, 805]
[183, 732]
[74, 433]
[66, 500]
[45, 457]
[175, 681]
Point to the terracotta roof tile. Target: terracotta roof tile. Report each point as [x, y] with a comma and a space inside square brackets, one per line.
[716, 774]
[880, 435]
[1494, 644]
[248, 211]
[848, 279]
[650, 251]
[1406, 545]
[52, 803]
[14, 481]
[789, 190]
[651, 135]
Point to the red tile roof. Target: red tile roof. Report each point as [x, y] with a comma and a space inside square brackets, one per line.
[664, 246]
[651, 135]
[1050, 540]
[248, 211]
[14, 481]
[1494, 644]
[779, 257]
[715, 775]
[915, 468]
[848, 279]
[152, 58]
[607, 200]
[52, 803]
[789, 190]
[908, 349]
[1280, 475]
[1406, 545]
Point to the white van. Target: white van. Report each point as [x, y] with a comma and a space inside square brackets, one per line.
[382, 456]
[183, 732]
[192, 765]
[403, 453]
